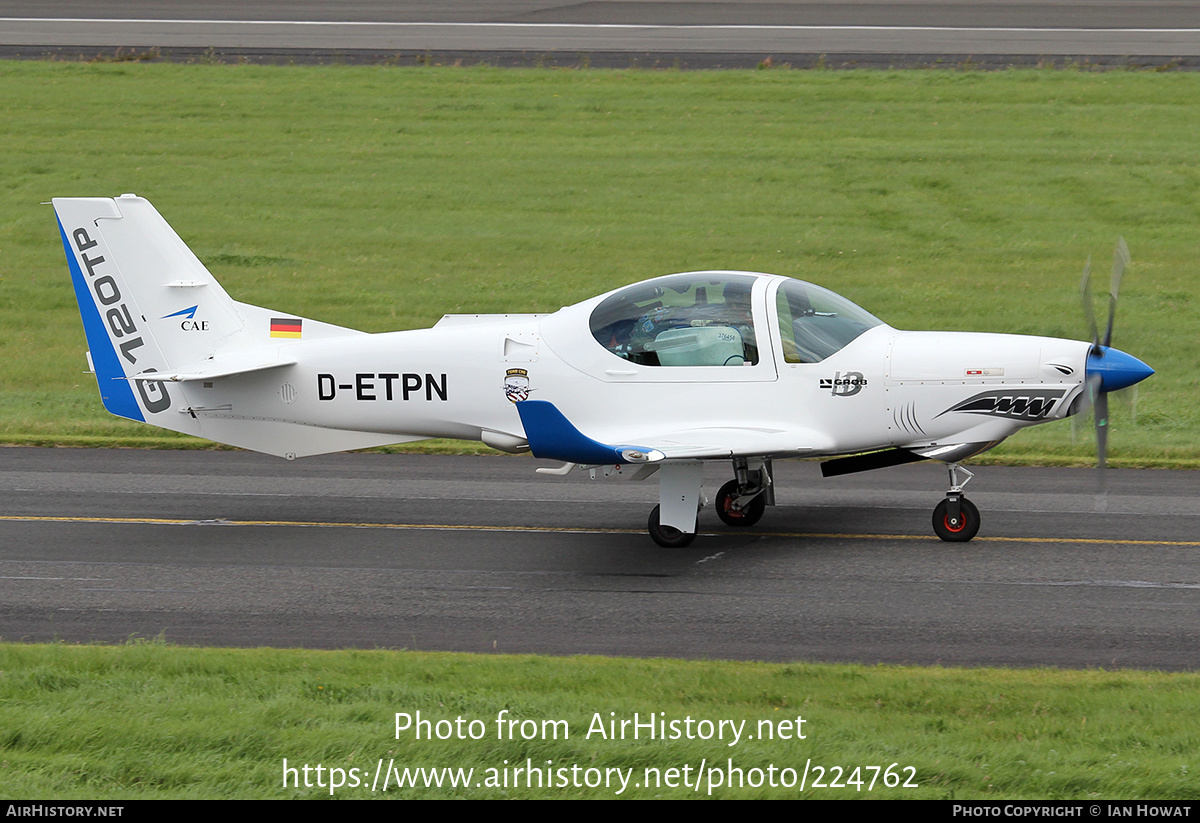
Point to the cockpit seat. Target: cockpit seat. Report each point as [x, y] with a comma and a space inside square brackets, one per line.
[699, 346]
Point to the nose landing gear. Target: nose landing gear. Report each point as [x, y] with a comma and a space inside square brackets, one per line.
[956, 519]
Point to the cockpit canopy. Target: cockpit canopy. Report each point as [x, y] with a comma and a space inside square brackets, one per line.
[707, 319]
[680, 320]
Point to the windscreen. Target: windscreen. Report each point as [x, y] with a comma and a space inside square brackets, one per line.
[814, 323]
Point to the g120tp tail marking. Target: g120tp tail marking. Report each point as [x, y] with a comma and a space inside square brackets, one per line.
[118, 326]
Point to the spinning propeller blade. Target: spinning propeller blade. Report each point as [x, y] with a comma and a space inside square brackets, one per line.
[1108, 369]
[1100, 415]
[1085, 296]
[1120, 261]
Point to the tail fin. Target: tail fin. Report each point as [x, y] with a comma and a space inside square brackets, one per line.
[151, 308]
[125, 273]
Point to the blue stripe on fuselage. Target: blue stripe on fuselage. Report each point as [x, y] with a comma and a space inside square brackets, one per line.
[115, 391]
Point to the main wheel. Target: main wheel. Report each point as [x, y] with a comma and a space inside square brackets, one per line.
[747, 516]
[667, 536]
[960, 529]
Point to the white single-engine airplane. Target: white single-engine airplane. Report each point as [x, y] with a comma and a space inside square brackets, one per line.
[659, 376]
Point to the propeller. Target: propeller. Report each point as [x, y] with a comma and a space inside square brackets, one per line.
[1120, 262]
[1107, 369]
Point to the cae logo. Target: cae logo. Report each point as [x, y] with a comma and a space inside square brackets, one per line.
[189, 323]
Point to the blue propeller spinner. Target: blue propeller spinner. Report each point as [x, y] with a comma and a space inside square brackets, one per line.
[1115, 369]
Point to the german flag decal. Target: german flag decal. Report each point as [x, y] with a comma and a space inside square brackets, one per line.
[285, 326]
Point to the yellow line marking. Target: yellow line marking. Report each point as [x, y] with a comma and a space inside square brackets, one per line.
[311, 524]
[567, 530]
[1086, 540]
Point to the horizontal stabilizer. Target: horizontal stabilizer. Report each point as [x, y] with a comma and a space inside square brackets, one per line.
[214, 368]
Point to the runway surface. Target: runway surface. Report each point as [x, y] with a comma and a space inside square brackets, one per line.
[906, 31]
[480, 554]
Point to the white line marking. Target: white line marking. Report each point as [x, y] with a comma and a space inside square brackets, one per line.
[605, 26]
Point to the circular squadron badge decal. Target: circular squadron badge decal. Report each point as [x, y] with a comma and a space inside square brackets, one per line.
[516, 385]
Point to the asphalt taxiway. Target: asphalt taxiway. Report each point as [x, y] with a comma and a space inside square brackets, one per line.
[481, 554]
[697, 33]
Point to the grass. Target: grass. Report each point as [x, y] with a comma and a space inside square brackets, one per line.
[149, 720]
[381, 198]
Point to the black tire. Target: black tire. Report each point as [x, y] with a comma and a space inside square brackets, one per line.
[962, 531]
[666, 536]
[748, 516]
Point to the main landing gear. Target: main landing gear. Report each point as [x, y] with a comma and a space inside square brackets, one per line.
[668, 537]
[672, 523]
[740, 502]
[956, 519]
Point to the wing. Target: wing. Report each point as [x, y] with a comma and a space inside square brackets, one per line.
[734, 441]
[551, 435]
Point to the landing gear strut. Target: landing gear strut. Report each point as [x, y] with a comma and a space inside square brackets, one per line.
[956, 519]
[742, 501]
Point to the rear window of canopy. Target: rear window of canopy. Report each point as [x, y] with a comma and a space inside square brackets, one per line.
[681, 320]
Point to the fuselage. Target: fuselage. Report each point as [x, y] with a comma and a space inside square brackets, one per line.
[872, 387]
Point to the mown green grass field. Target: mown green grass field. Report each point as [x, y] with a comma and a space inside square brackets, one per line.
[152, 721]
[382, 198]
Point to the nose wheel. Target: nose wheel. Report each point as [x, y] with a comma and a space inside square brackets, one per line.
[956, 519]
[956, 526]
